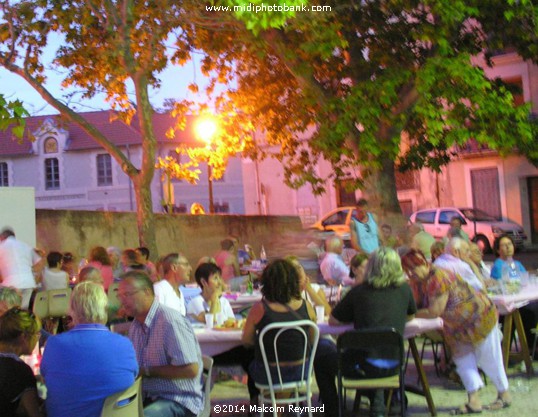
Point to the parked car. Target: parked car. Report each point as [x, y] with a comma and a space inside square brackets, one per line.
[480, 226]
[337, 222]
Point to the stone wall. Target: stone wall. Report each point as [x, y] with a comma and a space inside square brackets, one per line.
[195, 236]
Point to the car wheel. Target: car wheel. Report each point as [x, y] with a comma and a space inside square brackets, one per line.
[483, 243]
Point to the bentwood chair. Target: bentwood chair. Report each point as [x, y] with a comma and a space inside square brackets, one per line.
[127, 403]
[300, 390]
[356, 346]
[206, 381]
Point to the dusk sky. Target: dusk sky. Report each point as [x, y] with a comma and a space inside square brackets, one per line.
[175, 82]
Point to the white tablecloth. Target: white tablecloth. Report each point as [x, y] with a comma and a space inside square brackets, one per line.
[213, 342]
[508, 303]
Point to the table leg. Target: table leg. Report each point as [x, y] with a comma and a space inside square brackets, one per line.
[422, 377]
[523, 342]
[507, 336]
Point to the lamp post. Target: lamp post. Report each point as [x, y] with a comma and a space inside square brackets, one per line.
[206, 129]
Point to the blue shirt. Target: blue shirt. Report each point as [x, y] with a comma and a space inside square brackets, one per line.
[84, 366]
[513, 273]
[367, 236]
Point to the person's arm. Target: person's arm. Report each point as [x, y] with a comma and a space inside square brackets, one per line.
[334, 321]
[354, 238]
[435, 309]
[317, 297]
[29, 404]
[253, 318]
[187, 371]
[231, 259]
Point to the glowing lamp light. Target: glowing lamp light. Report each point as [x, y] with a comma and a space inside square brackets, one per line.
[206, 129]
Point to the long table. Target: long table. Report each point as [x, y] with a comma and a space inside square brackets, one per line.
[213, 342]
[508, 306]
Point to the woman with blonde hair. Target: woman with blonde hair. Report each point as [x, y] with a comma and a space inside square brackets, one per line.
[88, 363]
[19, 333]
[383, 300]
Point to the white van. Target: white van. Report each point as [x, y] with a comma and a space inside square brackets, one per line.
[480, 226]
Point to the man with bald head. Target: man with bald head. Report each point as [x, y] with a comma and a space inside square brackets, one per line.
[333, 269]
[457, 259]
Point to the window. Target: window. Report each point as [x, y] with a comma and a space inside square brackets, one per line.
[425, 217]
[4, 182]
[446, 215]
[52, 174]
[338, 218]
[104, 170]
[51, 145]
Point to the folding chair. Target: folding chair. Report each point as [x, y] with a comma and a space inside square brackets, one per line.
[127, 403]
[206, 378]
[41, 305]
[301, 390]
[59, 302]
[365, 345]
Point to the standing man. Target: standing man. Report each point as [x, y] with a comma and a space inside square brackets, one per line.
[167, 351]
[16, 262]
[364, 230]
[176, 271]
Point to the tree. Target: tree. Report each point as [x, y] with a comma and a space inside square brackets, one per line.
[106, 46]
[12, 113]
[385, 85]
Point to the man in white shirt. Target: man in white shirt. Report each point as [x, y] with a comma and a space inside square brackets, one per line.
[456, 259]
[16, 262]
[176, 271]
[333, 269]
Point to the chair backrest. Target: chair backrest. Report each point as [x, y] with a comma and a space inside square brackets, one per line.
[59, 302]
[384, 343]
[127, 403]
[206, 379]
[309, 332]
[41, 304]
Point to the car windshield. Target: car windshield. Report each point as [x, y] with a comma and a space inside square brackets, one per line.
[477, 215]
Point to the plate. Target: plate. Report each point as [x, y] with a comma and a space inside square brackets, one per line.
[226, 329]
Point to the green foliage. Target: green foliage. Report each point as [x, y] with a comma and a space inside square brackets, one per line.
[12, 115]
[378, 83]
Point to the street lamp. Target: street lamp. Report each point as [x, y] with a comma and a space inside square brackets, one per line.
[205, 129]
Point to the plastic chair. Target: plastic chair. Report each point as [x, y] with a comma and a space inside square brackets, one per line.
[206, 378]
[301, 390]
[370, 341]
[127, 403]
[41, 305]
[59, 302]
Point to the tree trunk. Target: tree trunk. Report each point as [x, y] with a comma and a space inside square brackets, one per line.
[145, 217]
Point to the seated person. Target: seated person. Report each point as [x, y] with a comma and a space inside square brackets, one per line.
[53, 278]
[357, 268]
[281, 302]
[505, 264]
[311, 292]
[384, 300]
[227, 260]
[333, 268]
[99, 259]
[92, 274]
[85, 365]
[19, 333]
[207, 276]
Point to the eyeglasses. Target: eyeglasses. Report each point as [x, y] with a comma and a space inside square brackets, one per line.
[128, 293]
[367, 227]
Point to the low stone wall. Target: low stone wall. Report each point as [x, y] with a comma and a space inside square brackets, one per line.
[195, 236]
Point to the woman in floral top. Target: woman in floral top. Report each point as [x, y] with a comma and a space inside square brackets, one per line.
[470, 328]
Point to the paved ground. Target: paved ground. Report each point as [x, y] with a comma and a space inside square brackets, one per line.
[447, 395]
